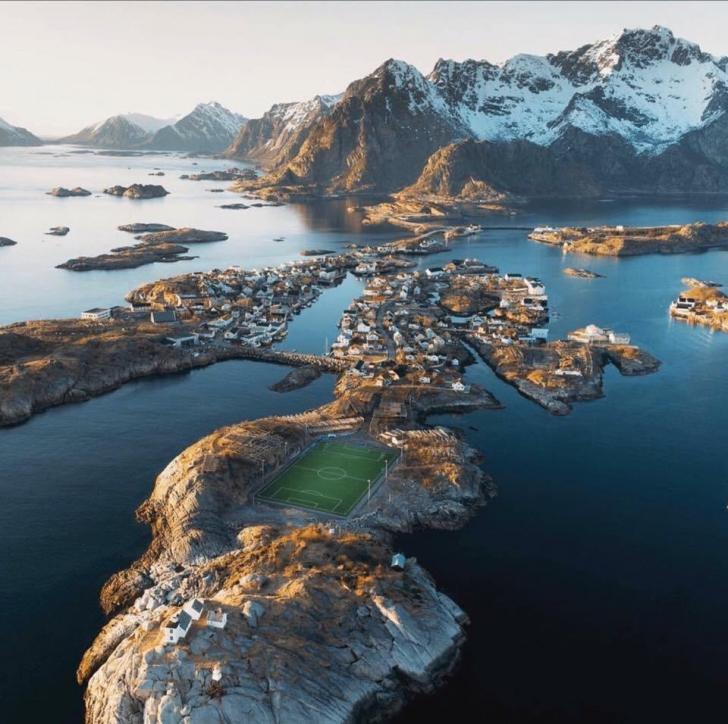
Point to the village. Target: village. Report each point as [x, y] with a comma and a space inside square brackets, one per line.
[251, 307]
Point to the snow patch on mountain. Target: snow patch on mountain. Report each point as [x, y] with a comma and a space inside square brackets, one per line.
[645, 85]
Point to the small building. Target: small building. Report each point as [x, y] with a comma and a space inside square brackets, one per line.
[185, 340]
[398, 562]
[96, 314]
[216, 618]
[458, 387]
[177, 627]
[163, 316]
[194, 608]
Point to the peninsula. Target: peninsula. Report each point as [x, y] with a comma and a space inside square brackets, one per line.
[633, 241]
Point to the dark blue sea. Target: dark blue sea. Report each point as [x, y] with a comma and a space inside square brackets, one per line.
[596, 582]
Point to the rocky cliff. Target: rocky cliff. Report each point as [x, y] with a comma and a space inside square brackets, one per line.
[277, 136]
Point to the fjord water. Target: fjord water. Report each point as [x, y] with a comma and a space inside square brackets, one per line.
[595, 582]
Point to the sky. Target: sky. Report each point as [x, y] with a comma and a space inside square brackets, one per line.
[65, 65]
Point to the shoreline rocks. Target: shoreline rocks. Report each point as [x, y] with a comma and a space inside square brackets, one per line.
[4, 241]
[315, 252]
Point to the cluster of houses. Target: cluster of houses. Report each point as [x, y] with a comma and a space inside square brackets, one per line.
[178, 626]
[521, 315]
[688, 304]
[702, 305]
[395, 328]
[252, 306]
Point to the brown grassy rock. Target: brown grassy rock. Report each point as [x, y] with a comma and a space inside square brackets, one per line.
[319, 628]
[467, 295]
[48, 363]
[128, 257]
[184, 235]
[629, 241]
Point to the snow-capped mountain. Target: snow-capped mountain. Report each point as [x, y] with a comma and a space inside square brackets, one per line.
[149, 123]
[210, 127]
[277, 136]
[114, 132]
[644, 91]
[16, 136]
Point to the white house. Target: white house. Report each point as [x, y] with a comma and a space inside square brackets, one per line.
[194, 608]
[216, 618]
[458, 387]
[177, 627]
[535, 287]
[185, 340]
[617, 337]
[97, 313]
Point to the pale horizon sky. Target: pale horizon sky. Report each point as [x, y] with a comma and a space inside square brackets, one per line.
[69, 64]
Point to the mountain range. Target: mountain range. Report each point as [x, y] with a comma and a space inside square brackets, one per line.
[643, 111]
[16, 136]
[640, 112]
[209, 127]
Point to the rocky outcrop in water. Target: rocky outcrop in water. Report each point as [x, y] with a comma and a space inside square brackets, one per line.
[184, 235]
[4, 241]
[62, 192]
[296, 379]
[137, 191]
[128, 257]
[57, 231]
[144, 228]
[581, 273]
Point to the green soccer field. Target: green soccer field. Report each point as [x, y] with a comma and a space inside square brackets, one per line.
[331, 477]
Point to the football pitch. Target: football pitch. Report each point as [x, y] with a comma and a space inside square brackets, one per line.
[331, 477]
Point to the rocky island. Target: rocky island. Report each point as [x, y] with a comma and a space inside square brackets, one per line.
[128, 257]
[632, 241]
[155, 246]
[57, 231]
[137, 191]
[144, 228]
[184, 235]
[582, 273]
[63, 192]
[4, 241]
[703, 304]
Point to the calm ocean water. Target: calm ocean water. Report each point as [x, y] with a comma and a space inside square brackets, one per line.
[596, 581]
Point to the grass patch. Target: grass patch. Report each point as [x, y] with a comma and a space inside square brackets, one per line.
[332, 477]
